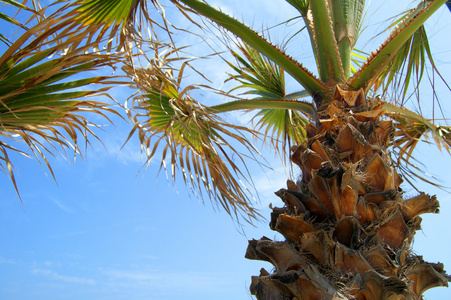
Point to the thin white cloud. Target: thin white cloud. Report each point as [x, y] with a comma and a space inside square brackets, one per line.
[60, 205]
[267, 183]
[129, 154]
[52, 263]
[68, 234]
[164, 280]
[149, 257]
[64, 278]
[142, 228]
[6, 261]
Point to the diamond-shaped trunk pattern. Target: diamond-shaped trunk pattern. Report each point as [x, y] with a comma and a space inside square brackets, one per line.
[348, 229]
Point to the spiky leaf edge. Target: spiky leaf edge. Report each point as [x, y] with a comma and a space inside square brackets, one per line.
[314, 86]
[369, 72]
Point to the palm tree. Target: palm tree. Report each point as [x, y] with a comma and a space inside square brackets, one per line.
[347, 226]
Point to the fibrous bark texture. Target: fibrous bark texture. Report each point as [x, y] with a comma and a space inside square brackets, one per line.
[347, 226]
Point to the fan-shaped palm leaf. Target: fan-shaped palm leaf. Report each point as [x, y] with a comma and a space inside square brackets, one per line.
[192, 138]
[410, 129]
[409, 61]
[401, 34]
[97, 22]
[42, 97]
[113, 16]
[312, 84]
[263, 78]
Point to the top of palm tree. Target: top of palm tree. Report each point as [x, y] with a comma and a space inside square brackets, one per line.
[71, 37]
[333, 28]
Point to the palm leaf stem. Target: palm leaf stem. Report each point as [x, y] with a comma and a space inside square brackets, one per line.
[345, 49]
[313, 85]
[303, 7]
[304, 107]
[329, 62]
[346, 17]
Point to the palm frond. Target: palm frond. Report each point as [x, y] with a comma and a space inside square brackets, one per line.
[411, 171]
[377, 62]
[260, 77]
[407, 65]
[11, 20]
[411, 128]
[113, 19]
[103, 24]
[347, 16]
[193, 140]
[44, 98]
[285, 125]
[328, 55]
[312, 84]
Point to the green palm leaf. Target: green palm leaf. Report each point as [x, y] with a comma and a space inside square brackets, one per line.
[409, 61]
[190, 137]
[100, 23]
[261, 77]
[44, 96]
[328, 56]
[106, 12]
[7, 18]
[410, 129]
[100, 20]
[377, 62]
[11, 20]
[347, 16]
[312, 84]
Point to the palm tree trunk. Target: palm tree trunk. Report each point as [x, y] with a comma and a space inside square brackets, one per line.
[348, 228]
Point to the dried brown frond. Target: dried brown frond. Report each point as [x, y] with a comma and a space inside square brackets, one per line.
[190, 138]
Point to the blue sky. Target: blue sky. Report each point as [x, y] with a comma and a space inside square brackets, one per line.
[108, 230]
